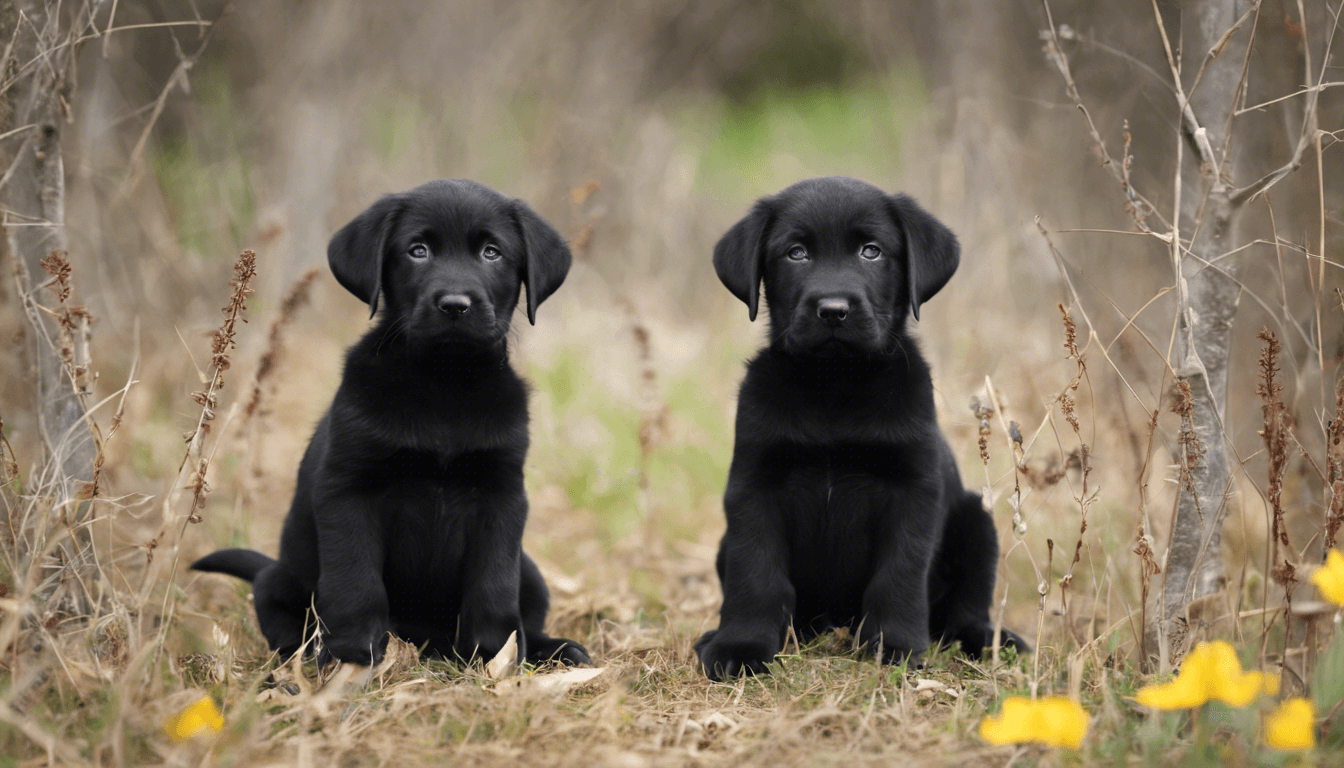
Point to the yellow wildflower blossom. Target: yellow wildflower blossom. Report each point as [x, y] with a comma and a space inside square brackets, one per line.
[201, 716]
[1292, 726]
[1211, 672]
[1329, 578]
[1056, 721]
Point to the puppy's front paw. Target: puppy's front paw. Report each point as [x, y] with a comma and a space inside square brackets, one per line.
[557, 649]
[485, 642]
[361, 646]
[723, 657]
[976, 638]
[894, 648]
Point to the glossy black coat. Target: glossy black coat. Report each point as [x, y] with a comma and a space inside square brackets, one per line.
[409, 510]
[844, 504]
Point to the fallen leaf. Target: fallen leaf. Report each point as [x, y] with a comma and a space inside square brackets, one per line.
[505, 662]
[347, 677]
[399, 657]
[925, 684]
[221, 637]
[551, 683]
[272, 694]
[716, 722]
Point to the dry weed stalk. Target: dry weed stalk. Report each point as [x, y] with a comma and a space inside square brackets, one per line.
[1275, 433]
[253, 427]
[73, 320]
[1334, 461]
[1148, 566]
[1068, 406]
[652, 415]
[1334, 456]
[57, 503]
[9, 477]
[297, 298]
[1135, 203]
[982, 413]
[1042, 589]
[1019, 469]
[75, 323]
[221, 342]
[9, 463]
[1192, 449]
[578, 197]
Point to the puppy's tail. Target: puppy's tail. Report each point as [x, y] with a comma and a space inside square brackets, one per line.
[243, 563]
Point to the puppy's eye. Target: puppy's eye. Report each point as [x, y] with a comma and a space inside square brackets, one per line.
[491, 253]
[797, 253]
[418, 251]
[870, 252]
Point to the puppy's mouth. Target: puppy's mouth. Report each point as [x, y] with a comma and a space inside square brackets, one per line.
[456, 337]
[837, 345]
[822, 341]
[464, 334]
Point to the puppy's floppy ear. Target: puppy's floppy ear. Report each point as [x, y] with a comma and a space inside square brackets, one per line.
[357, 250]
[931, 250]
[739, 256]
[546, 259]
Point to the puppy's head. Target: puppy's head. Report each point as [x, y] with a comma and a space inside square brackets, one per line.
[449, 259]
[842, 262]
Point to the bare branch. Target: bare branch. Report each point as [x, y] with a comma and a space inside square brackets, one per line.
[1309, 135]
[1294, 94]
[1193, 131]
[179, 76]
[1222, 43]
[1139, 207]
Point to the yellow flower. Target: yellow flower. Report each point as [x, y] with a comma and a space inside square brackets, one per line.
[1211, 672]
[1056, 721]
[1292, 726]
[201, 716]
[1329, 578]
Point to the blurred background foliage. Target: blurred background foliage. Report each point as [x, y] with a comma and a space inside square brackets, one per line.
[643, 129]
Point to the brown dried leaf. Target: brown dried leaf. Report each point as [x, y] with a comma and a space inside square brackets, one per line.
[505, 662]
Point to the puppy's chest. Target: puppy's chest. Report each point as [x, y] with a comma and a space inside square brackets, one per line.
[432, 478]
[431, 504]
[820, 471]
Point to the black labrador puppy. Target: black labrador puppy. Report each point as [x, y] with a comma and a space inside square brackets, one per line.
[409, 510]
[844, 503]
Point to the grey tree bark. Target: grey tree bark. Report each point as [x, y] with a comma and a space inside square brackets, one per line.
[33, 112]
[32, 191]
[1208, 292]
[1208, 298]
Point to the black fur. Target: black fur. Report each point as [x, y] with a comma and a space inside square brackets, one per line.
[409, 511]
[844, 504]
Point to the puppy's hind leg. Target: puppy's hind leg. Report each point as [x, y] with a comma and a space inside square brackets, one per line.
[534, 600]
[962, 581]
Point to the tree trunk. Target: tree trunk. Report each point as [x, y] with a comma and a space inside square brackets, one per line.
[33, 196]
[1208, 305]
[33, 109]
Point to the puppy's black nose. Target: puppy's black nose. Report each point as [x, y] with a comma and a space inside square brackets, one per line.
[454, 304]
[833, 311]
